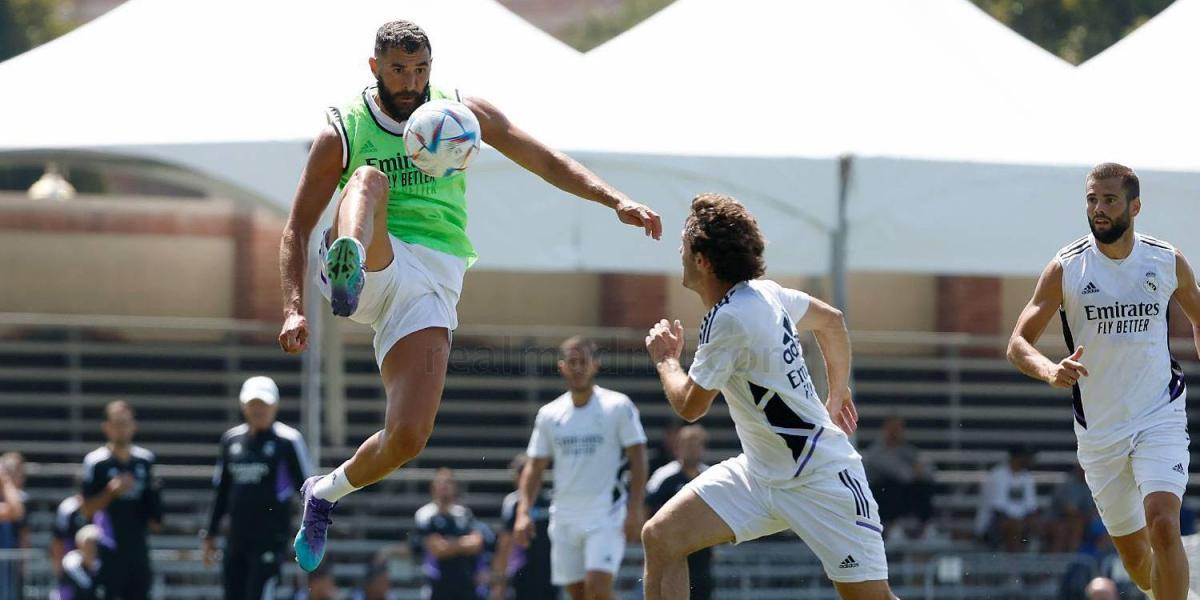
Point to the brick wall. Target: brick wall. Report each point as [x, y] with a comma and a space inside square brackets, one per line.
[629, 300]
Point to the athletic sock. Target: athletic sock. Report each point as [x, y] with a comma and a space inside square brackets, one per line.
[333, 486]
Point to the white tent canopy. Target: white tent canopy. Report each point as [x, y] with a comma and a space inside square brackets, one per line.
[971, 148]
[1151, 92]
[909, 78]
[970, 156]
[236, 90]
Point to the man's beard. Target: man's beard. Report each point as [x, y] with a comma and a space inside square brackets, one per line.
[389, 101]
[1116, 229]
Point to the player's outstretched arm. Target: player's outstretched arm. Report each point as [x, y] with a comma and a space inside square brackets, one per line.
[828, 326]
[1047, 298]
[687, 398]
[1187, 295]
[557, 168]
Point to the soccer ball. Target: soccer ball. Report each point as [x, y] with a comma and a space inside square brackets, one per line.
[441, 137]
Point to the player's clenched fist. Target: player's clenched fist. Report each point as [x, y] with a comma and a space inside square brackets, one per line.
[294, 336]
[1068, 370]
[523, 529]
[665, 340]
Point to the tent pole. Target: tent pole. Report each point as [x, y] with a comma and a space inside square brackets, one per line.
[310, 379]
[837, 268]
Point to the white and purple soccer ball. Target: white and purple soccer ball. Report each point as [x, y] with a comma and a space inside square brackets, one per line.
[441, 137]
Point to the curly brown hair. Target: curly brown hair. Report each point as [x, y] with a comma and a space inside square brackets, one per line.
[721, 229]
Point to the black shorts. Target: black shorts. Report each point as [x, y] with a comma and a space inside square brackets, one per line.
[128, 575]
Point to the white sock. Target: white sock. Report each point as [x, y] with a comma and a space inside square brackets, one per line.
[333, 486]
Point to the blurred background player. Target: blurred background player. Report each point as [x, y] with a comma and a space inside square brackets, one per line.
[69, 518]
[1007, 516]
[798, 470]
[450, 542]
[588, 432]
[900, 480]
[397, 251]
[84, 574]
[667, 481]
[525, 568]
[120, 491]
[1111, 290]
[319, 584]
[14, 524]
[375, 582]
[1101, 588]
[261, 465]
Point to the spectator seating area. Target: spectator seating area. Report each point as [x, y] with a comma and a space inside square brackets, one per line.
[961, 410]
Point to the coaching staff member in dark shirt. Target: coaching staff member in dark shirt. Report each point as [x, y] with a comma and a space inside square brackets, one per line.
[125, 501]
[261, 466]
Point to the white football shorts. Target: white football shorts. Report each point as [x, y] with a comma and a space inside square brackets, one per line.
[420, 289]
[1123, 473]
[576, 548]
[833, 512]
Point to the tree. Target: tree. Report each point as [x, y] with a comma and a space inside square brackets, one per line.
[597, 27]
[1075, 30]
[25, 24]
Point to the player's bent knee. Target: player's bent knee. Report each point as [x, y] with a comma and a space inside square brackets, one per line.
[371, 180]
[656, 539]
[404, 442]
[1164, 530]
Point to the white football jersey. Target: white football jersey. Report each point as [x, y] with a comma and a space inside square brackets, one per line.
[749, 350]
[1117, 310]
[587, 445]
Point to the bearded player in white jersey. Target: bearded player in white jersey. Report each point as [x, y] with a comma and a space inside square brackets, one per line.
[798, 469]
[1111, 290]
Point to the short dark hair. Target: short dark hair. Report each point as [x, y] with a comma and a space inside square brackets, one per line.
[115, 406]
[405, 35]
[721, 229]
[577, 341]
[1129, 179]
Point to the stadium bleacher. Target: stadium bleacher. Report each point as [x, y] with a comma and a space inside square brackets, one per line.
[962, 408]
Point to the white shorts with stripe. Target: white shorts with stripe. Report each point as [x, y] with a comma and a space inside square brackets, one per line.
[835, 515]
[418, 290]
[1122, 474]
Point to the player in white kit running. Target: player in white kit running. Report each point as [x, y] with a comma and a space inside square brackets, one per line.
[1111, 290]
[798, 469]
[589, 432]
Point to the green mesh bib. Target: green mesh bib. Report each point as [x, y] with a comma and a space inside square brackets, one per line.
[422, 210]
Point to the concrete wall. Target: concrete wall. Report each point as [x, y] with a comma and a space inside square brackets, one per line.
[211, 258]
[149, 275]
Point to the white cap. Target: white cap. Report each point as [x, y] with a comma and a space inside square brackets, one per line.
[260, 388]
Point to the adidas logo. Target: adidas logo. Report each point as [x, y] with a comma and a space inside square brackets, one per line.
[1178, 468]
[849, 563]
[1090, 288]
[367, 147]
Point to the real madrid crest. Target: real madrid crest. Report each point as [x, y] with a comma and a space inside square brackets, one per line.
[235, 448]
[1151, 282]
